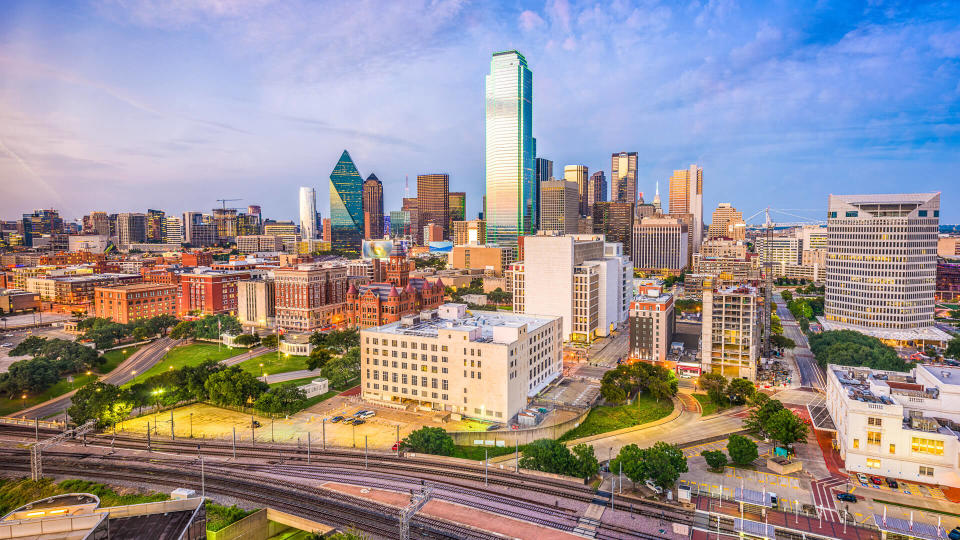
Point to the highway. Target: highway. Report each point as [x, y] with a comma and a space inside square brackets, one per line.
[811, 376]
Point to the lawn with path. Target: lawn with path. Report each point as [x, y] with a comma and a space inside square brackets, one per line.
[193, 354]
[272, 364]
[706, 406]
[605, 418]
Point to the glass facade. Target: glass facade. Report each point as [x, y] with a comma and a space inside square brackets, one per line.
[511, 205]
[308, 213]
[346, 205]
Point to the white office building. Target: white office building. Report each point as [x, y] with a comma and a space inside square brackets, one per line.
[899, 425]
[308, 213]
[483, 365]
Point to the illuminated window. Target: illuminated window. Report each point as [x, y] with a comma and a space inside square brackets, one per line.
[856, 443]
[927, 446]
[873, 437]
[893, 448]
[873, 463]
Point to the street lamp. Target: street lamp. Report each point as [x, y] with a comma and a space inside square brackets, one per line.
[261, 369]
[156, 407]
[23, 401]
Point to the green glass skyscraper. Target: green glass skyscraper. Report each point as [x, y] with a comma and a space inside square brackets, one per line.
[511, 202]
[346, 205]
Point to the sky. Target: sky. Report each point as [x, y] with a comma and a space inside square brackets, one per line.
[125, 105]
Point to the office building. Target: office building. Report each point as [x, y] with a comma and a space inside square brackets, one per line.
[578, 174]
[433, 202]
[651, 327]
[308, 212]
[580, 278]
[75, 291]
[881, 266]
[198, 232]
[372, 208]
[484, 365]
[225, 220]
[458, 209]
[948, 247]
[490, 259]
[127, 303]
[260, 243]
[93, 243]
[411, 205]
[346, 206]
[686, 197]
[432, 233]
[96, 223]
[559, 206]
[131, 228]
[173, 230]
[511, 207]
[40, 222]
[660, 245]
[473, 232]
[399, 223]
[155, 225]
[248, 224]
[208, 292]
[623, 177]
[596, 190]
[280, 228]
[310, 296]
[656, 200]
[727, 222]
[727, 268]
[897, 425]
[730, 341]
[256, 302]
[615, 221]
[543, 172]
[723, 247]
[688, 220]
[948, 281]
[779, 250]
[813, 236]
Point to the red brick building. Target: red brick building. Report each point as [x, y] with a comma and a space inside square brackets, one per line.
[310, 296]
[196, 258]
[377, 304]
[127, 303]
[208, 292]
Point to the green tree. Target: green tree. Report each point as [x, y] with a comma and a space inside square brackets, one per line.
[740, 390]
[269, 341]
[786, 428]
[662, 464]
[715, 386]
[776, 327]
[105, 403]
[233, 386]
[612, 393]
[429, 440]
[782, 342]
[787, 296]
[630, 461]
[587, 464]
[318, 358]
[760, 414]
[246, 339]
[550, 456]
[953, 348]
[344, 369]
[140, 333]
[742, 450]
[716, 459]
[660, 389]
[183, 329]
[286, 399]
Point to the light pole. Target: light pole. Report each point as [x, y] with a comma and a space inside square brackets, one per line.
[191, 425]
[23, 401]
[252, 433]
[261, 369]
[156, 407]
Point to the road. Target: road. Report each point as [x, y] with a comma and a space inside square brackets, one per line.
[811, 376]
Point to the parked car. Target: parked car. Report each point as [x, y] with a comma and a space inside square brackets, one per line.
[892, 483]
[876, 481]
[657, 489]
[336, 419]
[954, 534]
[863, 479]
[847, 497]
[360, 412]
[367, 414]
[359, 421]
[256, 424]
[348, 420]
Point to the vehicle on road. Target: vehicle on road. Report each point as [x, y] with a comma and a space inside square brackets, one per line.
[336, 419]
[847, 497]
[863, 479]
[892, 483]
[954, 534]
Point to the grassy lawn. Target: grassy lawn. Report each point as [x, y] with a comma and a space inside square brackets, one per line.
[219, 516]
[15, 493]
[476, 452]
[116, 357]
[188, 355]
[8, 406]
[706, 406]
[603, 419]
[273, 365]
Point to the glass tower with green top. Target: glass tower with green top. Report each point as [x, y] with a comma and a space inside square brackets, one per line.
[346, 206]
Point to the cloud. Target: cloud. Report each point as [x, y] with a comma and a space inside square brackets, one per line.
[530, 20]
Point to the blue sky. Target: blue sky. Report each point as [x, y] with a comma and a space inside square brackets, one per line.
[124, 105]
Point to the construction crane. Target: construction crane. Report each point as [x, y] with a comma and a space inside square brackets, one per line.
[225, 201]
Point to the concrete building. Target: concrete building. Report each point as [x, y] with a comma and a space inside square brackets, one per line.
[458, 209]
[779, 250]
[173, 230]
[559, 206]
[596, 190]
[310, 296]
[75, 291]
[256, 302]
[948, 282]
[126, 303]
[259, 243]
[131, 228]
[580, 278]
[483, 366]
[660, 245]
[93, 243]
[17, 301]
[197, 232]
[372, 208]
[487, 258]
[473, 232]
[579, 175]
[732, 318]
[948, 247]
[727, 222]
[813, 236]
[686, 197]
[722, 247]
[623, 177]
[727, 268]
[432, 233]
[433, 202]
[651, 327]
[208, 292]
[881, 266]
[614, 220]
[898, 425]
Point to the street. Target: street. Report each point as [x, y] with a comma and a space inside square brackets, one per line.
[810, 374]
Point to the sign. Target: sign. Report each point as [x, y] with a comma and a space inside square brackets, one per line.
[376, 249]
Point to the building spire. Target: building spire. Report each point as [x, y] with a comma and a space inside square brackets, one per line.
[656, 199]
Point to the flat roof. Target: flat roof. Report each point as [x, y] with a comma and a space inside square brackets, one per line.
[486, 321]
[752, 496]
[913, 529]
[754, 528]
[947, 375]
[930, 333]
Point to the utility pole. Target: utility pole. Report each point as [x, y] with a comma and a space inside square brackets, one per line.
[768, 285]
[308, 447]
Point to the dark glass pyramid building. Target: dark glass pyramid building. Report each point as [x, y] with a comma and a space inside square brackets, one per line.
[346, 205]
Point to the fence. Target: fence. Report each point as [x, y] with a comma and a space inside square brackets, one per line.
[9, 420]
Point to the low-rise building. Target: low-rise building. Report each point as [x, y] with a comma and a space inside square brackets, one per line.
[948, 282]
[126, 303]
[259, 242]
[376, 304]
[730, 344]
[651, 327]
[468, 257]
[256, 302]
[311, 296]
[899, 425]
[483, 365]
[209, 292]
[17, 301]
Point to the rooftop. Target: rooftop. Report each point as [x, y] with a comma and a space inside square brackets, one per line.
[429, 323]
[944, 374]
[930, 333]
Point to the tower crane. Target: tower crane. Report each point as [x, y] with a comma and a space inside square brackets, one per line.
[224, 202]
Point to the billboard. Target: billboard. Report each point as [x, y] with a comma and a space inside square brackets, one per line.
[377, 249]
[444, 246]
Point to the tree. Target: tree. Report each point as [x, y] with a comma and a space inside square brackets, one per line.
[660, 389]
[429, 440]
[318, 358]
[105, 403]
[550, 456]
[715, 385]
[850, 348]
[787, 296]
[344, 369]
[776, 327]
[630, 461]
[286, 399]
[233, 386]
[786, 428]
[182, 330]
[662, 464]
[782, 342]
[612, 393]
[269, 341]
[742, 450]
[587, 464]
[28, 346]
[140, 333]
[740, 390]
[763, 409]
[246, 339]
[716, 459]
[953, 348]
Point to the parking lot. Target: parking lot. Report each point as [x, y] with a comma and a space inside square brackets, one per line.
[14, 337]
[572, 392]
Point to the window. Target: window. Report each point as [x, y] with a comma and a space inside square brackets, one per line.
[856, 443]
[874, 421]
[873, 437]
[921, 213]
[926, 471]
[927, 446]
[873, 463]
[893, 448]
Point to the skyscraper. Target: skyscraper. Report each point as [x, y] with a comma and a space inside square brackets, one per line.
[308, 213]
[578, 175]
[433, 201]
[155, 225]
[597, 190]
[372, 208]
[131, 228]
[686, 197]
[623, 177]
[727, 222]
[543, 171]
[559, 206]
[458, 208]
[656, 200]
[511, 208]
[615, 221]
[346, 205]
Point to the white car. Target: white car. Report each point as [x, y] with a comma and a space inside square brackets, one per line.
[367, 414]
[657, 489]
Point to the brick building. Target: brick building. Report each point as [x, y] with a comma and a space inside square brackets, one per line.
[310, 296]
[208, 292]
[377, 304]
[196, 258]
[126, 303]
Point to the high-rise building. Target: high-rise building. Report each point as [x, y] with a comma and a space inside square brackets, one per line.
[346, 205]
[686, 197]
[458, 209]
[432, 233]
[881, 266]
[779, 250]
[730, 338]
[578, 175]
[131, 228]
[225, 220]
[660, 244]
[310, 296]
[559, 206]
[614, 220]
[727, 222]
[308, 212]
[597, 190]
[511, 207]
[372, 208]
[399, 223]
[651, 327]
[543, 171]
[623, 177]
[155, 222]
[173, 230]
[472, 232]
[197, 231]
[40, 222]
[248, 224]
[433, 201]
[96, 223]
[656, 200]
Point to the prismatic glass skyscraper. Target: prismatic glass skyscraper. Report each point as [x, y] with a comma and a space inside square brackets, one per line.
[346, 205]
[308, 213]
[511, 203]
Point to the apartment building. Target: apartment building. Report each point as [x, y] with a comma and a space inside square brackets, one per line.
[484, 365]
[473, 232]
[722, 247]
[209, 292]
[779, 250]
[76, 290]
[651, 327]
[661, 244]
[730, 340]
[899, 425]
[311, 296]
[731, 268]
[259, 243]
[126, 303]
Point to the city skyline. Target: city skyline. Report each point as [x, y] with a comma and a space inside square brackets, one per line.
[86, 128]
